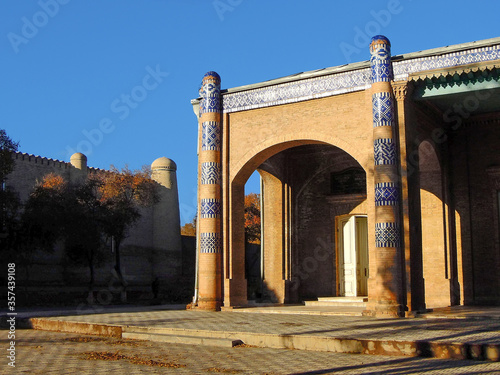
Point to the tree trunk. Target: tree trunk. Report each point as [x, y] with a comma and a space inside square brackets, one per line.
[90, 298]
[123, 294]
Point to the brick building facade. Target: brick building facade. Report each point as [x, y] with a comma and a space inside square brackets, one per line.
[380, 179]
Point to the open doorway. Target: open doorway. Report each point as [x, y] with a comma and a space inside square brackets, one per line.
[304, 188]
[352, 257]
[253, 242]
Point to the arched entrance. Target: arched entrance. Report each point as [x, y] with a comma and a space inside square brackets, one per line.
[373, 116]
[307, 191]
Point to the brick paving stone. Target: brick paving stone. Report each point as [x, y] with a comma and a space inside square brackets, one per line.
[481, 330]
[41, 352]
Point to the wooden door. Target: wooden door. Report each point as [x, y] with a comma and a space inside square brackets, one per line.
[353, 256]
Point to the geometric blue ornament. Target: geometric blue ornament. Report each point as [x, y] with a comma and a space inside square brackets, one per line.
[387, 235]
[383, 109]
[380, 59]
[386, 194]
[381, 70]
[210, 93]
[210, 136]
[384, 152]
[210, 243]
[210, 208]
[210, 173]
[211, 104]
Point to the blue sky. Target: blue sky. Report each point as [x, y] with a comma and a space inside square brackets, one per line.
[114, 78]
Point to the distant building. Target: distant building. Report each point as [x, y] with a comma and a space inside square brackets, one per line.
[381, 179]
[153, 249]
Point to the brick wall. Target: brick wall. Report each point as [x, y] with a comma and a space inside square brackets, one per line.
[474, 151]
[301, 145]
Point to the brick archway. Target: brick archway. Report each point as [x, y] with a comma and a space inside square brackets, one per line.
[292, 270]
[255, 156]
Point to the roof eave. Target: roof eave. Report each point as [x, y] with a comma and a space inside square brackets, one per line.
[359, 65]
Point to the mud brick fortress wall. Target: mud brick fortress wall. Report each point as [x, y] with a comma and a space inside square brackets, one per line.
[153, 248]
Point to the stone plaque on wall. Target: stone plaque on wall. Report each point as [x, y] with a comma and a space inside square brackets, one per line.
[348, 181]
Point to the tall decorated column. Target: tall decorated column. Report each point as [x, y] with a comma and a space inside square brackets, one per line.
[386, 299]
[209, 196]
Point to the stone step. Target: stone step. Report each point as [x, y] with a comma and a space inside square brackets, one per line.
[181, 339]
[425, 348]
[334, 304]
[344, 299]
[339, 302]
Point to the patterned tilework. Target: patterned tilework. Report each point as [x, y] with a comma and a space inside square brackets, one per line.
[382, 106]
[403, 68]
[210, 93]
[386, 194]
[384, 151]
[380, 60]
[386, 235]
[210, 104]
[211, 76]
[356, 80]
[210, 173]
[381, 70]
[210, 243]
[291, 92]
[210, 208]
[210, 136]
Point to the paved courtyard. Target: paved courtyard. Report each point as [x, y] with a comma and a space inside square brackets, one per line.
[484, 330]
[42, 352]
[50, 352]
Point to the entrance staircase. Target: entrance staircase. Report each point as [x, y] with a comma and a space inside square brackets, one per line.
[338, 302]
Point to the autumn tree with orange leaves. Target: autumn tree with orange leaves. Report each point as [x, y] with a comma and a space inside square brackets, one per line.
[252, 218]
[124, 192]
[87, 215]
[59, 211]
[189, 229]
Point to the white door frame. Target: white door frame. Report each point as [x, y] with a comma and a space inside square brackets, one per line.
[352, 276]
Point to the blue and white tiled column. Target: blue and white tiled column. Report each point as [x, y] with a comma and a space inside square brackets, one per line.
[209, 197]
[388, 282]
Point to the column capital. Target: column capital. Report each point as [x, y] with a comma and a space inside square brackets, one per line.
[401, 89]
